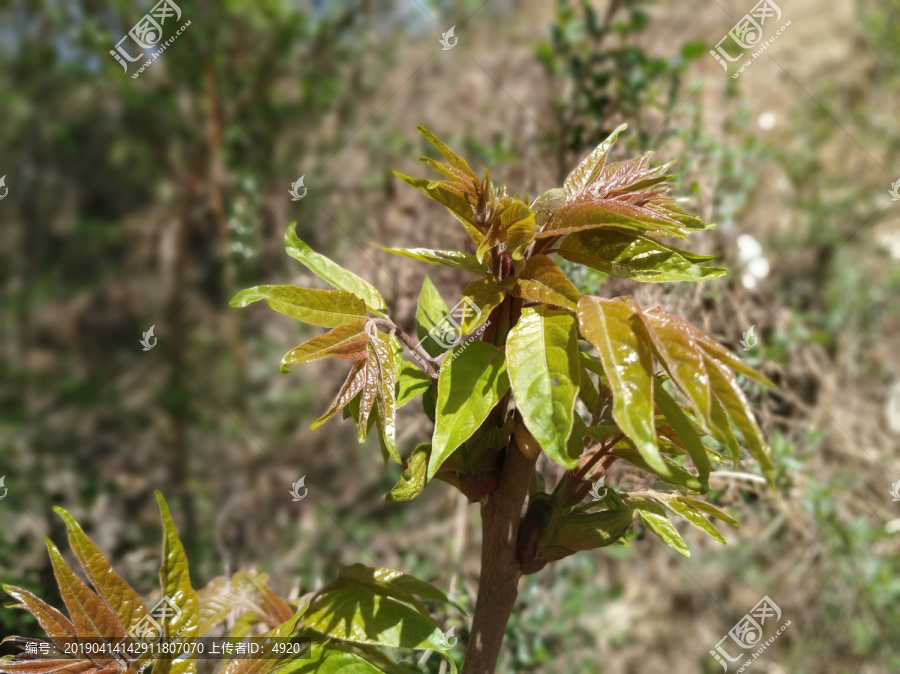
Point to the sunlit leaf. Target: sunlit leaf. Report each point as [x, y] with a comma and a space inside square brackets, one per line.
[54, 623]
[692, 361]
[654, 517]
[335, 658]
[542, 359]
[117, 593]
[457, 204]
[673, 473]
[351, 386]
[546, 204]
[411, 382]
[635, 257]
[332, 272]
[91, 616]
[472, 380]
[176, 581]
[685, 430]
[381, 357]
[448, 258]
[248, 665]
[542, 281]
[326, 308]
[688, 508]
[370, 606]
[454, 159]
[709, 509]
[589, 169]
[367, 400]
[431, 317]
[345, 341]
[729, 393]
[413, 479]
[580, 217]
[402, 585]
[612, 327]
[708, 344]
[484, 294]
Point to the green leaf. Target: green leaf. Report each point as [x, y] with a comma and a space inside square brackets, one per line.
[588, 531]
[611, 326]
[345, 341]
[679, 354]
[687, 509]
[575, 441]
[351, 386]
[335, 658]
[542, 281]
[413, 479]
[368, 400]
[471, 382]
[326, 308]
[117, 593]
[402, 585]
[432, 313]
[685, 430]
[176, 584]
[542, 359]
[692, 363]
[454, 201]
[720, 353]
[332, 272]
[729, 393]
[590, 168]
[381, 357]
[654, 517]
[588, 392]
[249, 665]
[709, 509]
[479, 299]
[673, 473]
[372, 615]
[411, 383]
[592, 363]
[454, 159]
[448, 258]
[513, 225]
[580, 217]
[546, 204]
[635, 257]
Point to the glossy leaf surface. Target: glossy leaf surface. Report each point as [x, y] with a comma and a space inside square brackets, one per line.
[472, 380]
[332, 272]
[542, 358]
[326, 308]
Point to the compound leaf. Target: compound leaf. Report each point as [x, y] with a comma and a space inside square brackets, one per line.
[332, 272]
[345, 341]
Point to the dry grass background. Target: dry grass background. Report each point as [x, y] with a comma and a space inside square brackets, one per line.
[642, 610]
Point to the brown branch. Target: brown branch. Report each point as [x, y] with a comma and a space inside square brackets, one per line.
[577, 485]
[500, 566]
